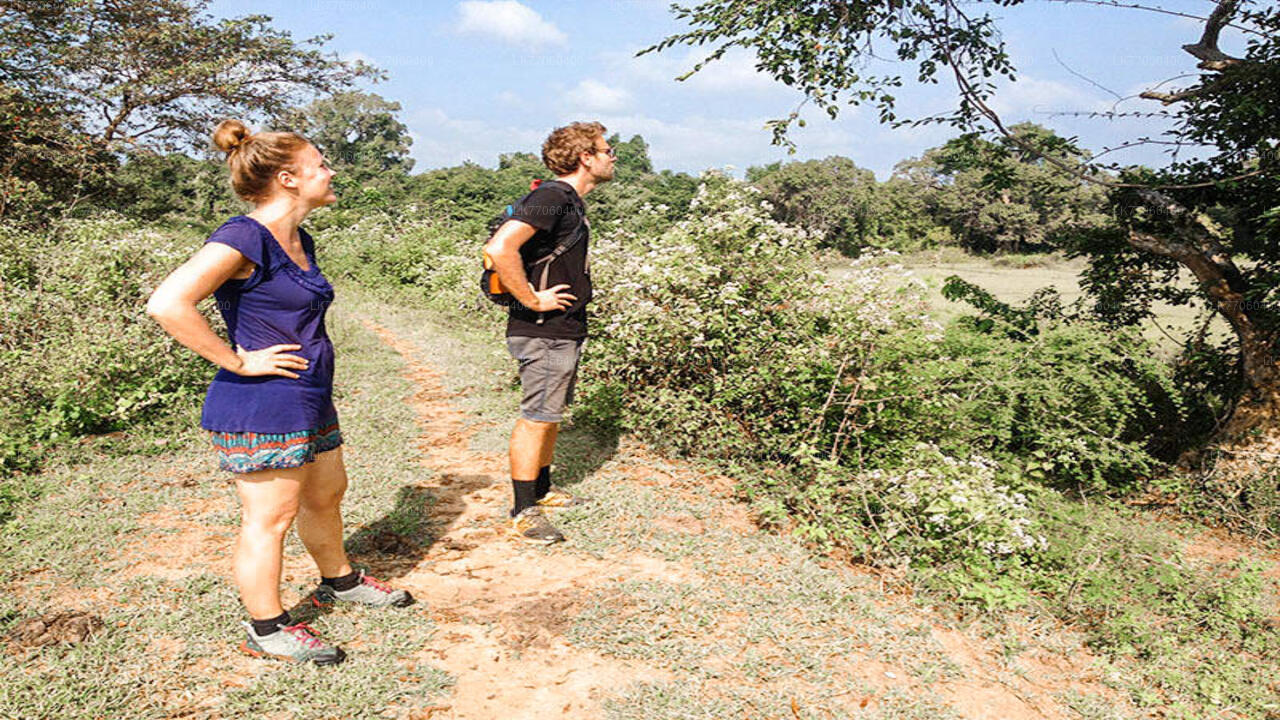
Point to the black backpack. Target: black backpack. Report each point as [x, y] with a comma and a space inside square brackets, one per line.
[492, 287]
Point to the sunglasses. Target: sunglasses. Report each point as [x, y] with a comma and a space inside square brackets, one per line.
[609, 151]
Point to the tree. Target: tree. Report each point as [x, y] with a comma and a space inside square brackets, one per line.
[46, 161]
[154, 73]
[523, 164]
[85, 84]
[633, 156]
[151, 186]
[1218, 217]
[358, 133]
[994, 195]
[833, 198]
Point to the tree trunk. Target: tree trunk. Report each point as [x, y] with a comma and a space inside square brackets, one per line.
[113, 124]
[1240, 465]
[1225, 285]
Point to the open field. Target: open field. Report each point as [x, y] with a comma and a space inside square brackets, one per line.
[1013, 279]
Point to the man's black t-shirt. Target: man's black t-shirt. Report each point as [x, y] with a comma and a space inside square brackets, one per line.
[558, 213]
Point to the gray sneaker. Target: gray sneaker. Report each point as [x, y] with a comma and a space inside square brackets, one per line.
[532, 526]
[370, 591]
[297, 643]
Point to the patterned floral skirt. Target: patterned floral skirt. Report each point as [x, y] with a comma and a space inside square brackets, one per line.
[246, 452]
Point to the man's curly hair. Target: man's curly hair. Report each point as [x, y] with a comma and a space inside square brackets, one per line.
[560, 151]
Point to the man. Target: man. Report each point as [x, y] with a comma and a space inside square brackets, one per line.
[547, 326]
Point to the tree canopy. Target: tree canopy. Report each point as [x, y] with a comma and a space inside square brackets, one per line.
[358, 132]
[996, 195]
[1217, 216]
[152, 72]
[83, 83]
[833, 198]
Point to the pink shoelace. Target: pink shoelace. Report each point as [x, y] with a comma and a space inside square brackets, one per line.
[305, 634]
[375, 583]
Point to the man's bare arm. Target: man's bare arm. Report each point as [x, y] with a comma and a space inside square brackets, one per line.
[504, 250]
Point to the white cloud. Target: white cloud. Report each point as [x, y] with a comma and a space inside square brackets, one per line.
[694, 143]
[594, 96]
[440, 140]
[734, 73]
[1035, 100]
[509, 21]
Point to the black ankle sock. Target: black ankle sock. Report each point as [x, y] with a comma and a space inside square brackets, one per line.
[266, 627]
[543, 482]
[346, 582]
[526, 492]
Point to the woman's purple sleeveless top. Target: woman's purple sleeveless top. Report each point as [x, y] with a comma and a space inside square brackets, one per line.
[279, 303]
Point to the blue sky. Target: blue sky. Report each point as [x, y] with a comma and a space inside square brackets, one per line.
[477, 78]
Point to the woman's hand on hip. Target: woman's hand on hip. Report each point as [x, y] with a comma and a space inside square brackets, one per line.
[273, 360]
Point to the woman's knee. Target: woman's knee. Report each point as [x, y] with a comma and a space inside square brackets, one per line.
[326, 485]
[324, 499]
[273, 520]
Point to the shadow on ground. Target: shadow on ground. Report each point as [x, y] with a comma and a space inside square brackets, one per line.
[580, 451]
[393, 545]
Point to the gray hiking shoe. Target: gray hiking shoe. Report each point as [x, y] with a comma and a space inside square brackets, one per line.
[558, 497]
[532, 526]
[297, 643]
[370, 591]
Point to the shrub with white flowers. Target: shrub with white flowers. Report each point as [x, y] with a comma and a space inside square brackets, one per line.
[932, 508]
[722, 337]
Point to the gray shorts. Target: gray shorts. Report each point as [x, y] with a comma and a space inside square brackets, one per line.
[548, 372]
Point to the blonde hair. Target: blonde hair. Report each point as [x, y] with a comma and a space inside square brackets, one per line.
[255, 158]
[560, 151]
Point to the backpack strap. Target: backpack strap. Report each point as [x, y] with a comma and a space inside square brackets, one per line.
[546, 260]
[560, 249]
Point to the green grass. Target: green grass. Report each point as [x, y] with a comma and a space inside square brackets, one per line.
[168, 646]
[746, 624]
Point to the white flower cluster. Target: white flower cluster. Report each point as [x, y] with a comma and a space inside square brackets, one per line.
[958, 501]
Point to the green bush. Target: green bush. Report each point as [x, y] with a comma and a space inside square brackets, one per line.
[1072, 403]
[421, 255]
[719, 337]
[78, 354]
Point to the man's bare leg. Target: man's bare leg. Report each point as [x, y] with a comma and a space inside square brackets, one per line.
[533, 445]
[531, 441]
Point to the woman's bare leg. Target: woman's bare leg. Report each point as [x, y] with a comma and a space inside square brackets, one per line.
[320, 513]
[268, 504]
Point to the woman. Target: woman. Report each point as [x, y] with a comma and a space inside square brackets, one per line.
[270, 408]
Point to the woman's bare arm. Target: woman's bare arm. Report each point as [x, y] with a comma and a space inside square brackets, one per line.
[173, 305]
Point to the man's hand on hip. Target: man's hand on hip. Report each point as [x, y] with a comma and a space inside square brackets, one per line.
[553, 298]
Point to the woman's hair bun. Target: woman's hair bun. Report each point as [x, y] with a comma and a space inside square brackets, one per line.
[230, 135]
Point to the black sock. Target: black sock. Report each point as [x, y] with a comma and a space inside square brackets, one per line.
[526, 492]
[543, 482]
[266, 627]
[346, 582]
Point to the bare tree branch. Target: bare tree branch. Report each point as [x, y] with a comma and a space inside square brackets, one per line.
[1162, 11]
[1206, 51]
[1140, 142]
[971, 95]
[1171, 98]
[1086, 78]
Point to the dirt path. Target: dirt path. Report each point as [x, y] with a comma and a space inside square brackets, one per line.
[500, 605]
[504, 608]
